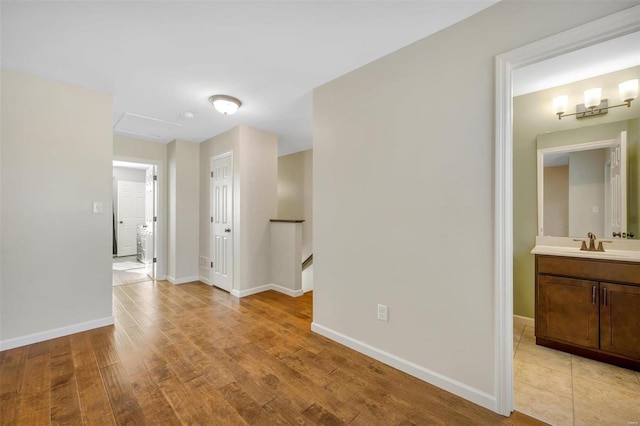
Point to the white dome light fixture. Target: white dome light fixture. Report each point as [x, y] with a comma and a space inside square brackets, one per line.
[224, 104]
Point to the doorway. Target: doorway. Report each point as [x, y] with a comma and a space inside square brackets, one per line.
[616, 25]
[134, 222]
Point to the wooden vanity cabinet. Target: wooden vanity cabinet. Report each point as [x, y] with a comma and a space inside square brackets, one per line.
[589, 307]
[620, 319]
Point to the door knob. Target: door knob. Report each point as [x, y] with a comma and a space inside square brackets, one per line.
[227, 229]
[121, 222]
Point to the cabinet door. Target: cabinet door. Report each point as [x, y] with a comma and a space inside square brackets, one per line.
[620, 319]
[567, 310]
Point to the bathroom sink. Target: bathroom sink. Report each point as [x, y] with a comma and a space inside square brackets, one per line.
[622, 255]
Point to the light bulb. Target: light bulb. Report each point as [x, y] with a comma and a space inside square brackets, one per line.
[225, 104]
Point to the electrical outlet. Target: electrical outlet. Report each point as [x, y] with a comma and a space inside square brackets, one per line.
[383, 313]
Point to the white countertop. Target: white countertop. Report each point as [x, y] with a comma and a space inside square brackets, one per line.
[620, 250]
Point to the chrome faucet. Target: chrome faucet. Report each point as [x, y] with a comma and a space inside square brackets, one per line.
[592, 243]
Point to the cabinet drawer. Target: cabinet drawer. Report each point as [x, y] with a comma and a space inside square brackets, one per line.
[590, 269]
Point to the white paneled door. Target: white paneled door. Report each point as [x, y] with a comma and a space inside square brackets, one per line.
[222, 222]
[617, 219]
[130, 213]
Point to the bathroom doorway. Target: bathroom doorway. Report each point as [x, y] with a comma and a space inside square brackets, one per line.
[134, 222]
[514, 338]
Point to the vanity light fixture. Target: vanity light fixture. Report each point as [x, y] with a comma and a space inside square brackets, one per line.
[593, 104]
[224, 104]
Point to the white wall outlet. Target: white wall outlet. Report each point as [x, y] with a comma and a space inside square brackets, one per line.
[383, 313]
[596, 209]
[97, 207]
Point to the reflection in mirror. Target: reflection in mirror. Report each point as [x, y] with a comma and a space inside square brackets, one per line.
[588, 186]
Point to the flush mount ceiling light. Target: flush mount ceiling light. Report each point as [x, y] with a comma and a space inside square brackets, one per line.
[225, 104]
[593, 104]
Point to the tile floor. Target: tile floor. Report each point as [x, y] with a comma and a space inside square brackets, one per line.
[130, 276]
[564, 389]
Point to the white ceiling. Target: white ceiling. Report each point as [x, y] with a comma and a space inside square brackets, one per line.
[159, 59]
[604, 58]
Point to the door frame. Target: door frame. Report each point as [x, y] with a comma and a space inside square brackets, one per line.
[234, 222]
[159, 239]
[598, 31]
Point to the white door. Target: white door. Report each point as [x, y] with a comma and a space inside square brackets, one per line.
[222, 222]
[130, 213]
[618, 186]
[150, 189]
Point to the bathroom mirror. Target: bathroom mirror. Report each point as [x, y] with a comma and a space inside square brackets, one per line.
[588, 181]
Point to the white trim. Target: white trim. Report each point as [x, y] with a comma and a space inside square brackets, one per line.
[55, 333]
[205, 280]
[467, 392]
[520, 321]
[266, 287]
[586, 146]
[184, 280]
[607, 28]
[287, 291]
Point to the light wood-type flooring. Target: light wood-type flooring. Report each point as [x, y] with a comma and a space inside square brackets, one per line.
[192, 354]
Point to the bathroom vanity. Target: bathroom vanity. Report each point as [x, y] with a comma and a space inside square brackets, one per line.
[589, 306]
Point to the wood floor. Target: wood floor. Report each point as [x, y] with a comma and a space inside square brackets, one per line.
[192, 354]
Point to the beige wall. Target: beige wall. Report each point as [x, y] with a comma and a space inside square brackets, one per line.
[532, 118]
[259, 200]
[286, 255]
[295, 193]
[172, 212]
[255, 168]
[410, 190]
[556, 200]
[184, 205]
[56, 161]
[138, 149]
[586, 193]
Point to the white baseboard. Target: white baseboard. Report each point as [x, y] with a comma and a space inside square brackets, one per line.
[460, 389]
[266, 287]
[287, 291]
[55, 333]
[184, 280]
[520, 321]
[204, 280]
